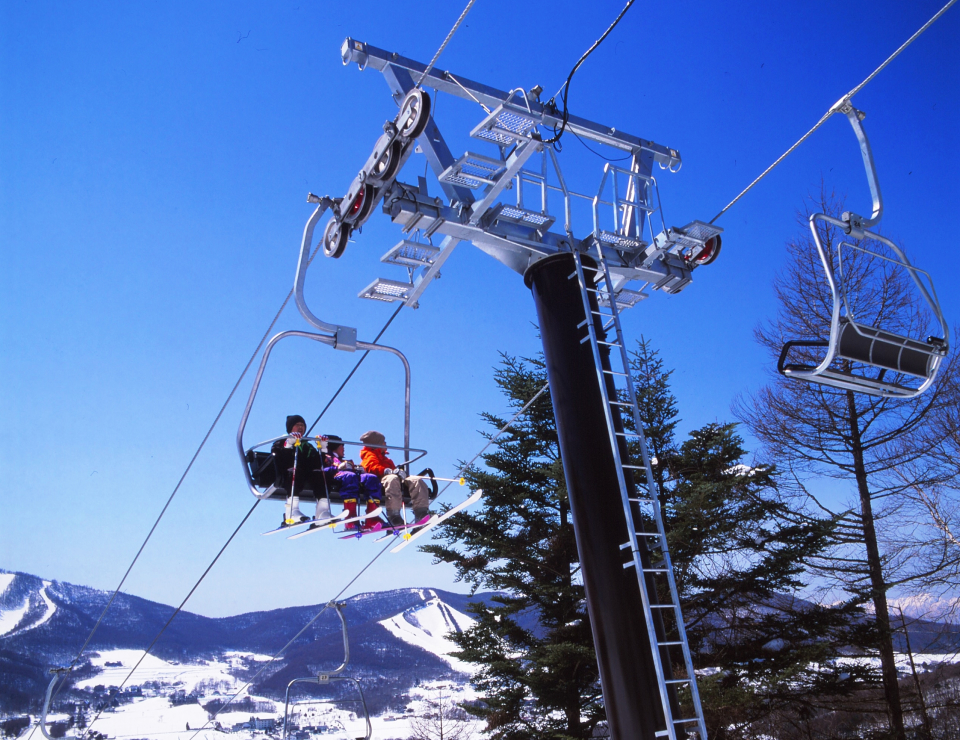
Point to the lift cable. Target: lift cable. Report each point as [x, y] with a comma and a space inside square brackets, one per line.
[179, 608]
[247, 516]
[565, 88]
[445, 42]
[364, 569]
[196, 454]
[176, 488]
[355, 368]
[837, 106]
[293, 639]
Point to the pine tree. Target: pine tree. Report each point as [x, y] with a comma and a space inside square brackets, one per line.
[538, 675]
[737, 550]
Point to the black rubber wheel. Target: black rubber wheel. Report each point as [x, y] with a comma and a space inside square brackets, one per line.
[414, 114]
[388, 164]
[335, 237]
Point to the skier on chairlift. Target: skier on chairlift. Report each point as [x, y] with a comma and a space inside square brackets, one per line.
[352, 482]
[393, 479]
[299, 467]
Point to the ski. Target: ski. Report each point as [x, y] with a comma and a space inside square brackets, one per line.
[312, 522]
[389, 530]
[407, 539]
[331, 523]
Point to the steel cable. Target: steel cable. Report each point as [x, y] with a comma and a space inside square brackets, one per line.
[836, 107]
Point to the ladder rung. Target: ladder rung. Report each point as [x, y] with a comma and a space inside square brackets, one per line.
[621, 403]
[667, 644]
[648, 534]
[582, 324]
[609, 344]
[628, 434]
[686, 719]
[663, 606]
[614, 372]
[635, 467]
[601, 313]
[586, 338]
[654, 570]
[629, 564]
[677, 680]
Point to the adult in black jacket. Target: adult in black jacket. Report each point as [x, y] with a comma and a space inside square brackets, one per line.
[308, 481]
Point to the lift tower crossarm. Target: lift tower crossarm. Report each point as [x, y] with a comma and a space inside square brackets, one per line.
[366, 55]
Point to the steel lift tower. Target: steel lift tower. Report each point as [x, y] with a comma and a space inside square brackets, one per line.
[578, 282]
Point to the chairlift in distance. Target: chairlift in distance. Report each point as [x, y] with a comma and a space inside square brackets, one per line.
[914, 362]
[325, 678]
[391, 151]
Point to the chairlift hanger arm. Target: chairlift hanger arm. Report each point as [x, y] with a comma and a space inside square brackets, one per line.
[855, 221]
[383, 61]
[344, 337]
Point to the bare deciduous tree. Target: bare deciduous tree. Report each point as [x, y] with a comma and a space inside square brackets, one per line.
[443, 720]
[816, 431]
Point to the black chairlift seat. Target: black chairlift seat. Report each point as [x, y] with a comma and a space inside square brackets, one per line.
[874, 347]
[263, 471]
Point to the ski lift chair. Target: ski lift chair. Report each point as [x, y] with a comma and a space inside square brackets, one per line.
[324, 679]
[259, 466]
[855, 346]
[265, 475]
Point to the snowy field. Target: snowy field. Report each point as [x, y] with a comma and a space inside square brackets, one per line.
[181, 676]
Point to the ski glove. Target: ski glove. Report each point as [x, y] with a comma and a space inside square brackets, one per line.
[293, 440]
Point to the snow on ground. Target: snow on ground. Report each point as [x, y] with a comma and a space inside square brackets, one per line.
[5, 580]
[154, 717]
[186, 675]
[923, 661]
[10, 618]
[427, 625]
[51, 607]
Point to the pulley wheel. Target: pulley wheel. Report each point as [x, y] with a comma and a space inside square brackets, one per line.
[388, 164]
[335, 237]
[710, 251]
[360, 206]
[414, 113]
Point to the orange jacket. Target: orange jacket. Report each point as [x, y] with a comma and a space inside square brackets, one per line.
[375, 461]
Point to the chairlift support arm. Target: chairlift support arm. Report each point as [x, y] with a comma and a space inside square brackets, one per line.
[366, 55]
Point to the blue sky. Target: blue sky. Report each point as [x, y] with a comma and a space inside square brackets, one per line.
[154, 163]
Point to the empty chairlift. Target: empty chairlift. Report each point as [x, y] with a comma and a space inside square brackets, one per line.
[876, 360]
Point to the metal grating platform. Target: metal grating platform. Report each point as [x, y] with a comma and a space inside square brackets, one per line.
[411, 254]
[695, 234]
[382, 289]
[620, 241]
[625, 299]
[519, 215]
[473, 171]
[506, 126]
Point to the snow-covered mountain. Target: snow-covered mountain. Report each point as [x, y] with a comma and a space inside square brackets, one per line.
[398, 639]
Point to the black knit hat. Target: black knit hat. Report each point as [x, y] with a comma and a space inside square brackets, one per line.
[291, 420]
[333, 441]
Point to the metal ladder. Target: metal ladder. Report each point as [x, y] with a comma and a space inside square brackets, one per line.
[659, 570]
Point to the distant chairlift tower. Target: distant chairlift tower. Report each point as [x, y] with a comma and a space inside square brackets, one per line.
[578, 286]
